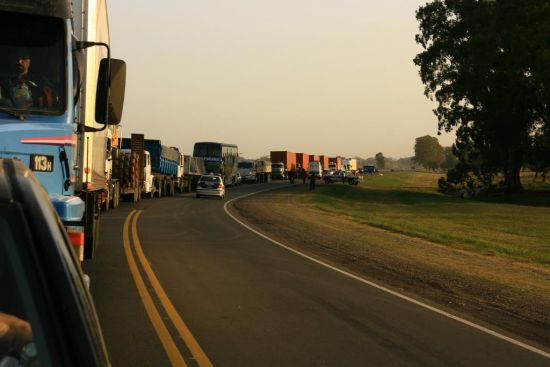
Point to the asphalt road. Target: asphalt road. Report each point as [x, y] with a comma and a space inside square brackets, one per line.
[248, 302]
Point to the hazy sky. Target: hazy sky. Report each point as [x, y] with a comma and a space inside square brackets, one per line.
[331, 77]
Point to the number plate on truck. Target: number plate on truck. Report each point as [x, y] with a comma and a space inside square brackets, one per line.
[41, 163]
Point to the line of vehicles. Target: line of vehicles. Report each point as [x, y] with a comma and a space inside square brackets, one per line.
[290, 165]
[61, 102]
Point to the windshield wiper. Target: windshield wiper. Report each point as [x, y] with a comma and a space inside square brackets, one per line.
[13, 112]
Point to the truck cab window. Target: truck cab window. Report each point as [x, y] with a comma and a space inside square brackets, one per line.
[32, 66]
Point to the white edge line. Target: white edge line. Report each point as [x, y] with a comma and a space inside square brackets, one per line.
[382, 288]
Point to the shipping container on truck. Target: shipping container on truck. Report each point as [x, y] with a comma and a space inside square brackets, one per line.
[335, 164]
[163, 167]
[313, 157]
[324, 161]
[283, 164]
[58, 118]
[349, 165]
[302, 162]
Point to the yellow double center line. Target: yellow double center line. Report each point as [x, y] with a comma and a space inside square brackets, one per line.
[164, 335]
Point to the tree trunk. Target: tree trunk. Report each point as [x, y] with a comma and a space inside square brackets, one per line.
[512, 180]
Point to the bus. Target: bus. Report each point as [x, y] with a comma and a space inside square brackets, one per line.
[219, 158]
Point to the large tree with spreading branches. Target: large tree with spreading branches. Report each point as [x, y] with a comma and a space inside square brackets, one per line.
[487, 64]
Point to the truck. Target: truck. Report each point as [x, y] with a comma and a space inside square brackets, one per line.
[126, 177]
[324, 162]
[57, 112]
[302, 162]
[283, 164]
[341, 176]
[370, 168]
[349, 165]
[254, 170]
[334, 164]
[315, 168]
[193, 169]
[162, 166]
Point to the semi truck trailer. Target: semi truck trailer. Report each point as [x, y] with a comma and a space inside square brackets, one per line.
[283, 164]
[163, 166]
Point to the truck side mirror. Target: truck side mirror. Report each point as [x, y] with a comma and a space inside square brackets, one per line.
[110, 91]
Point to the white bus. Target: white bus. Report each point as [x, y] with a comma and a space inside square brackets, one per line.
[219, 158]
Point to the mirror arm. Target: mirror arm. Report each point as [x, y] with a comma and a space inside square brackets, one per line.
[81, 45]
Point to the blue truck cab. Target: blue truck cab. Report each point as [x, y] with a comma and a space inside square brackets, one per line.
[60, 94]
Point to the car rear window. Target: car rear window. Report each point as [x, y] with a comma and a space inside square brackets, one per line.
[210, 179]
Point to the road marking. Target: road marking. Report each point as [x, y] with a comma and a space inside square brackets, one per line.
[168, 343]
[382, 288]
[197, 352]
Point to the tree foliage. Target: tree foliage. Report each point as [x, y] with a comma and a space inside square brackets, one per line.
[486, 64]
[428, 152]
[380, 160]
[449, 159]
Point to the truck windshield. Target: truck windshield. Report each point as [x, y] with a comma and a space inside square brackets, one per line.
[32, 77]
[245, 165]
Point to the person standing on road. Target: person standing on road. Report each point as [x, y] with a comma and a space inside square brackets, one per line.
[312, 181]
[304, 176]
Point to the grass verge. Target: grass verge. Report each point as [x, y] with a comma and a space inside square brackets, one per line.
[409, 203]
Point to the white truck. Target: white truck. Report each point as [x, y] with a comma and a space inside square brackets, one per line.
[315, 168]
[349, 165]
[254, 170]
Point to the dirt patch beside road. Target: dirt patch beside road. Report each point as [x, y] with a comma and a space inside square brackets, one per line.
[506, 294]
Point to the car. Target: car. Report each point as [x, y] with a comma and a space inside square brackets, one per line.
[45, 303]
[211, 185]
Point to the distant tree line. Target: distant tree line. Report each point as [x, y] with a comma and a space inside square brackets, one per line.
[487, 66]
[429, 154]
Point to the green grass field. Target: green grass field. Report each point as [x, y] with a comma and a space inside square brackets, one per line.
[408, 202]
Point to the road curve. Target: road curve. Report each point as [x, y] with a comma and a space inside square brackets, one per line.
[248, 302]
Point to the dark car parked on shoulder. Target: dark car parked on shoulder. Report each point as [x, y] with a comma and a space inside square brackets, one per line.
[47, 317]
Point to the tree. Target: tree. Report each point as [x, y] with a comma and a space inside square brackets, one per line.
[380, 160]
[450, 160]
[486, 65]
[428, 152]
[540, 157]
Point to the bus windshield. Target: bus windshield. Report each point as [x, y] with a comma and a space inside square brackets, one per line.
[207, 150]
[32, 65]
[213, 167]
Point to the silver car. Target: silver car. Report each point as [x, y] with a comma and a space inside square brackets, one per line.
[211, 185]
